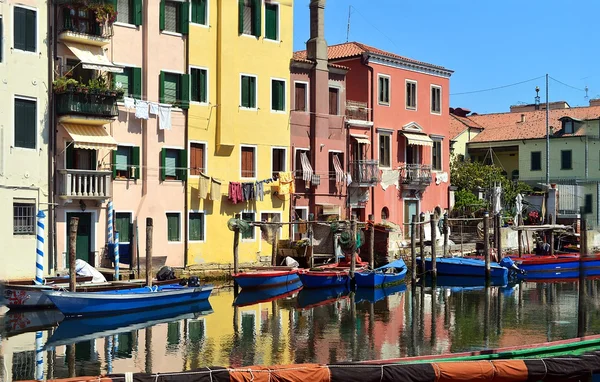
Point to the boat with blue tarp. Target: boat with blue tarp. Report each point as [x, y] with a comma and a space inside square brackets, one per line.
[266, 277]
[391, 273]
[459, 266]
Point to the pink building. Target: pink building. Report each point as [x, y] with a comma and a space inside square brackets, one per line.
[103, 151]
[405, 135]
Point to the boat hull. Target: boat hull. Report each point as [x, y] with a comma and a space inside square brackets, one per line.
[266, 279]
[558, 267]
[249, 297]
[76, 304]
[324, 279]
[464, 267]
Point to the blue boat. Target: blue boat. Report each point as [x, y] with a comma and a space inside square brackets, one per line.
[110, 302]
[312, 298]
[256, 278]
[77, 329]
[466, 281]
[550, 267]
[256, 296]
[459, 266]
[392, 273]
[325, 278]
[373, 295]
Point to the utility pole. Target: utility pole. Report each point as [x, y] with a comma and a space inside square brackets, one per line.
[348, 30]
[547, 135]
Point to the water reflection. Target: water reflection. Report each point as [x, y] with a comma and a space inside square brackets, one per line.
[300, 326]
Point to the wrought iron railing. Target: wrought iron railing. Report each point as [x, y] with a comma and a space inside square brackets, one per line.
[90, 104]
[85, 184]
[365, 172]
[357, 110]
[415, 174]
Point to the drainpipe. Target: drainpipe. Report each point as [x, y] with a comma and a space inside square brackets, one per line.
[186, 115]
[587, 155]
[52, 54]
[365, 61]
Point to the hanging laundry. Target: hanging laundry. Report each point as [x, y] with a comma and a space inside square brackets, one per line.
[260, 191]
[302, 227]
[164, 116]
[307, 170]
[153, 108]
[390, 178]
[348, 179]
[235, 192]
[339, 171]
[128, 102]
[203, 186]
[248, 191]
[141, 109]
[215, 189]
[286, 183]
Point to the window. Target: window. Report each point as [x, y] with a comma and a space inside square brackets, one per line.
[174, 16]
[277, 95]
[130, 81]
[333, 174]
[436, 156]
[566, 159]
[272, 21]
[76, 71]
[249, 217]
[300, 99]
[249, 17]
[298, 162]
[196, 226]
[536, 161]
[568, 126]
[198, 78]
[199, 12]
[385, 213]
[197, 158]
[173, 226]
[248, 90]
[271, 217]
[123, 226]
[126, 162]
[25, 123]
[411, 95]
[81, 20]
[588, 207]
[175, 89]
[334, 101]
[436, 99]
[25, 29]
[385, 150]
[248, 162]
[278, 160]
[24, 217]
[384, 90]
[172, 164]
[124, 11]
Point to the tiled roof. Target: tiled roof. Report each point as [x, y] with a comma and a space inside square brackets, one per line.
[508, 126]
[355, 49]
[459, 124]
[307, 61]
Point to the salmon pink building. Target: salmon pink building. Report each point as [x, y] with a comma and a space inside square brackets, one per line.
[400, 164]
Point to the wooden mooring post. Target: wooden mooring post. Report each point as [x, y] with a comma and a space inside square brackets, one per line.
[433, 223]
[73, 225]
[236, 244]
[498, 237]
[372, 241]
[149, 228]
[445, 228]
[422, 237]
[353, 225]
[486, 243]
[133, 249]
[274, 249]
[413, 249]
[551, 239]
[520, 234]
[581, 316]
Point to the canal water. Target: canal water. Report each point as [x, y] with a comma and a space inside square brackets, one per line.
[300, 326]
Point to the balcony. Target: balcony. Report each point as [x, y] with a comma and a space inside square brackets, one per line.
[86, 108]
[365, 173]
[357, 111]
[79, 23]
[85, 184]
[415, 175]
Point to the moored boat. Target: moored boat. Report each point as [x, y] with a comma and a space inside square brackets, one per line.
[457, 266]
[117, 301]
[555, 267]
[325, 277]
[389, 274]
[255, 278]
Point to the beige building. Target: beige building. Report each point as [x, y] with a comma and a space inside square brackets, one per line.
[24, 134]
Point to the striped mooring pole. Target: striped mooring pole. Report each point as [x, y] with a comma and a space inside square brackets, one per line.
[39, 260]
[109, 222]
[109, 354]
[39, 357]
[117, 255]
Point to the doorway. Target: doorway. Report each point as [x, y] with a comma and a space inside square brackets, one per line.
[411, 207]
[83, 247]
[413, 153]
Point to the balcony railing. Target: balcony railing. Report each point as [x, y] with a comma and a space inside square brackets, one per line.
[357, 110]
[85, 184]
[87, 104]
[365, 173]
[415, 175]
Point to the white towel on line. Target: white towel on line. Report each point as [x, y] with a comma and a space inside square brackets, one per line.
[141, 109]
[153, 108]
[129, 102]
[164, 116]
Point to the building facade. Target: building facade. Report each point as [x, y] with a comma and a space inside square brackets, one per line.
[24, 135]
[239, 130]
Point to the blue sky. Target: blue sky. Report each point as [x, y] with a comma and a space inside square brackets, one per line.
[487, 43]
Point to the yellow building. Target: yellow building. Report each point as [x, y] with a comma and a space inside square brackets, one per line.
[238, 123]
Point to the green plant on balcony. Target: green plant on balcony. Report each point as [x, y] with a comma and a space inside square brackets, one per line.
[106, 14]
[97, 86]
[63, 84]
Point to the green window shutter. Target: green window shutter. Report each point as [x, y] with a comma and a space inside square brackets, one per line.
[161, 90]
[25, 124]
[114, 163]
[69, 153]
[281, 95]
[241, 16]
[173, 227]
[252, 89]
[271, 21]
[182, 164]
[163, 164]
[200, 13]
[31, 28]
[184, 15]
[256, 17]
[245, 91]
[195, 79]
[203, 86]
[137, 12]
[136, 82]
[20, 28]
[123, 225]
[185, 91]
[196, 226]
[274, 95]
[135, 161]
[161, 19]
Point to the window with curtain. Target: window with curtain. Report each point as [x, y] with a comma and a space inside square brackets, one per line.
[196, 226]
[171, 87]
[248, 14]
[277, 95]
[249, 217]
[124, 81]
[123, 161]
[173, 227]
[199, 85]
[123, 226]
[171, 163]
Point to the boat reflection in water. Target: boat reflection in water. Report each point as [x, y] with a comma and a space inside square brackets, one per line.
[310, 298]
[373, 295]
[26, 321]
[257, 296]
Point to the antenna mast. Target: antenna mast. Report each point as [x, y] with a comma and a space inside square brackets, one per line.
[348, 30]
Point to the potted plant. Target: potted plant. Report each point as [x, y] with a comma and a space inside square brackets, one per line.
[63, 84]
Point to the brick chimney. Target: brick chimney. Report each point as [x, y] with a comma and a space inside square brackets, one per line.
[316, 47]
[595, 102]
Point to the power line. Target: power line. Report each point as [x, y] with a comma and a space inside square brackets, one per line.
[567, 85]
[498, 87]
[374, 26]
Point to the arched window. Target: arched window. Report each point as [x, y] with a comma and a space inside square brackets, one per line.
[385, 213]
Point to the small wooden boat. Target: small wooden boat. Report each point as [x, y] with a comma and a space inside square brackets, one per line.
[458, 266]
[78, 329]
[312, 298]
[266, 277]
[249, 297]
[325, 277]
[389, 274]
[553, 267]
[128, 300]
